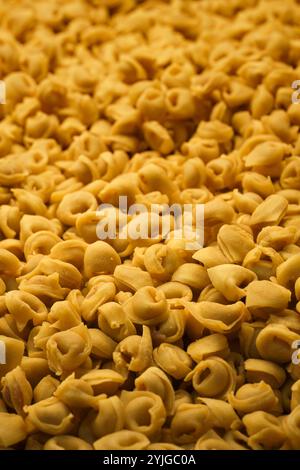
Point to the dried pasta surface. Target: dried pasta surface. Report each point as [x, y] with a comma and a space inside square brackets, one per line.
[112, 341]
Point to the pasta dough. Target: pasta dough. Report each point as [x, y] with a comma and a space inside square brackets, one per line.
[126, 343]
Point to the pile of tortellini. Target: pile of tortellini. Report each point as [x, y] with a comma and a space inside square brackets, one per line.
[131, 343]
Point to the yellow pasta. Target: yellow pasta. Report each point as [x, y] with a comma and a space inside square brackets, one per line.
[132, 328]
[100, 258]
[103, 381]
[114, 322]
[45, 388]
[16, 390]
[134, 353]
[25, 307]
[66, 443]
[190, 422]
[211, 345]
[227, 279]
[67, 350]
[147, 306]
[265, 297]
[126, 439]
[172, 360]
[50, 416]
[106, 419]
[156, 381]
[144, 412]
[264, 430]
[245, 399]
[218, 318]
[13, 429]
[75, 393]
[213, 377]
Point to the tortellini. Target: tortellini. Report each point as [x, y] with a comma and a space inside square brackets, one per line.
[127, 322]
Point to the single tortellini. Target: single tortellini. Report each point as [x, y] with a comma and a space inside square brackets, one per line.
[269, 372]
[222, 413]
[235, 241]
[9, 263]
[122, 440]
[114, 322]
[156, 381]
[210, 256]
[98, 295]
[227, 278]
[175, 292]
[131, 278]
[295, 394]
[67, 442]
[269, 212]
[31, 224]
[13, 351]
[75, 393]
[181, 397]
[163, 446]
[263, 261]
[173, 360]
[212, 441]
[134, 353]
[247, 338]
[25, 307]
[276, 237]
[218, 318]
[290, 424]
[213, 377]
[68, 276]
[74, 204]
[147, 306]
[67, 350]
[211, 345]
[288, 272]
[161, 261]
[45, 388]
[190, 422]
[50, 416]
[192, 275]
[103, 381]
[265, 297]
[46, 288]
[107, 417]
[172, 329]
[12, 429]
[64, 315]
[70, 251]
[102, 345]
[144, 412]
[100, 258]
[254, 397]
[274, 343]
[16, 390]
[264, 430]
